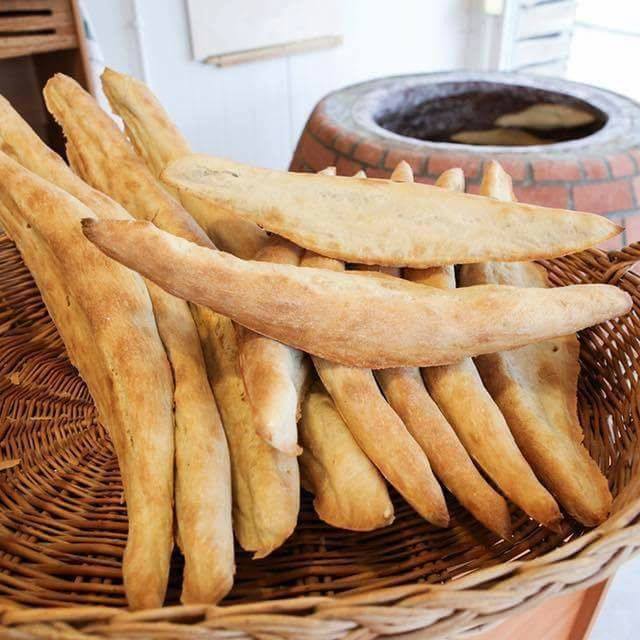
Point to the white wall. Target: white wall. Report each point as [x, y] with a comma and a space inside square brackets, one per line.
[606, 44]
[255, 112]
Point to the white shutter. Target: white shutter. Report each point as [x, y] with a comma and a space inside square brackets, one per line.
[521, 35]
[536, 35]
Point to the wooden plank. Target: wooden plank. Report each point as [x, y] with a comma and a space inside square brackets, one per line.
[29, 22]
[591, 605]
[25, 45]
[32, 5]
[566, 617]
[19, 84]
[276, 51]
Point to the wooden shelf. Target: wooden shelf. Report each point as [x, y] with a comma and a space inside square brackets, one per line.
[37, 39]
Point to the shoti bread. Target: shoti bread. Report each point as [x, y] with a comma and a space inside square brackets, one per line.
[536, 388]
[387, 223]
[348, 318]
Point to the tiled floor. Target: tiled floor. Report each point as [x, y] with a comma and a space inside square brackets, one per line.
[619, 617]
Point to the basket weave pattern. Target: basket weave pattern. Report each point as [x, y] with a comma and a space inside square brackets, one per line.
[63, 522]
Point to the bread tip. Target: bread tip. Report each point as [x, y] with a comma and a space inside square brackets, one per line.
[557, 525]
[402, 173]
[505, 531]
[441, 518]
[628, 301]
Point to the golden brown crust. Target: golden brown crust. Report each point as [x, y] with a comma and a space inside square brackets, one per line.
[203, 492]
[98, 146]
[266, 486]
[349, 491]
[460, 395]
[347, 318]
[406, 393]
[536, 389]
[158, 141]
[384, 438]
[384, 222]
[274, 374]
[155, 137]
[104, 316]
[203, 475]
[266, 482]
[373, 423]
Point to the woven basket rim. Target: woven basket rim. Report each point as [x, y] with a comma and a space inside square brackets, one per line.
[455, 609]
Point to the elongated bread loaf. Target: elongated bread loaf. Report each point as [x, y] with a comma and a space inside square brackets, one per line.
[104, 316]
[204, 510]
[203, 476]
[536, 388]
[265, 484]
[386, 223]
[159, 142]
[406, 393]
[346, 318]
[378, 429]
[461, 396]
[348, 490]
[384, 438]
[101, 155]
[274, 374]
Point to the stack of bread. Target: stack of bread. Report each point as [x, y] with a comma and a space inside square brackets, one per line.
[244, 332]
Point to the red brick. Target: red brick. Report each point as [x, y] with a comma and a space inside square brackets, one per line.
[550, 195]
[441, 162]
[515, 167]
[326, 132]
[297, 163]
[313, 124]
[347, 167]
[555, 170]
[595, 169]
[415, 159]
[369, 152]
[604, 197]
[632, 228]
[622, 165]
[316, 120]
[374, 172]
[315, 154]
[345, 143]
[473, 188]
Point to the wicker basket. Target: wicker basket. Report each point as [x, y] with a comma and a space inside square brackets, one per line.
[63, 522]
